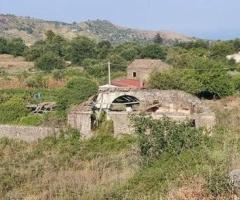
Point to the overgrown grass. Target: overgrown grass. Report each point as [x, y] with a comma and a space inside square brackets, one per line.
[26, 169]
[104, 167]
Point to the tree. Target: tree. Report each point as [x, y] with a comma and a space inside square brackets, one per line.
[16, 47]
[3, 46]
[207, 79]
[158, 39]
[81, 48]
[35, 51]
[103, 49]
[214, 78]
[49, 61]
[236, 44]
[50, 35]
[153, 51]
[221, 49]
[176, 79]
[129, 54]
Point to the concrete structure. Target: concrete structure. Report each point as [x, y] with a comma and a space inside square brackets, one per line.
[120, 103]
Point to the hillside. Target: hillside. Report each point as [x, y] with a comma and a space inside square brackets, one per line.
[32, 30]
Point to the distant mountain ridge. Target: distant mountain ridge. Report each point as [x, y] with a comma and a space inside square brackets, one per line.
[32, 30]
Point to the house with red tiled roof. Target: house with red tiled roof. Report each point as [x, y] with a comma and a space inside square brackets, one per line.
[139, 71]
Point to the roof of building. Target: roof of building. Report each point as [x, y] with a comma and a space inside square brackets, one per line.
[127, 83]
[148, 64]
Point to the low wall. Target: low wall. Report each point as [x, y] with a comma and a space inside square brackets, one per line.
[26, 133]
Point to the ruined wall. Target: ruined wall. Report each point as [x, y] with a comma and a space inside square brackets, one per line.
[26, 133]
[81, 121]
[177, 105]
[121, 123]
[205, 120]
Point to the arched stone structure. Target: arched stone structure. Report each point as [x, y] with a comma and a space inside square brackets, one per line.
[177, 105]
[149, 97]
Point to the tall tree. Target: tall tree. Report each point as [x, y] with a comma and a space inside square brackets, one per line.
[158, 39]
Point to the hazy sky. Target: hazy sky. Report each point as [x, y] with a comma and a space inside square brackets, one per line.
[213, 19]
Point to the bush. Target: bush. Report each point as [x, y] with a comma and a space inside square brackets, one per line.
[37, 81]
[31, 120]
[49, 61]
[58, 74]
[76, 91]
[218, 183]
[159, 136]
[12, 110]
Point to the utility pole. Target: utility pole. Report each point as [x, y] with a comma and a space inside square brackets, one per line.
[109, 73]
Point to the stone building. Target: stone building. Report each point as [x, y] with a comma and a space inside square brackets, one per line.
[139, 71]
[120, 103]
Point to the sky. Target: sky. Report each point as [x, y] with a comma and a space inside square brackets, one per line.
[208, 19]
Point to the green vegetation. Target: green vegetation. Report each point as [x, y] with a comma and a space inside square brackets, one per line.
[14, 47]
[55, 162]
[160, 161]
[49, 61]
[156, 165]
[76, 91]
[206, 78]
[12, 110]
[165, 136]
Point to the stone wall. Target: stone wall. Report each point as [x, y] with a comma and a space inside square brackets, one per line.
[146, 97]
[121, 123]
[26, 133]
[81, 121]
[177, 105]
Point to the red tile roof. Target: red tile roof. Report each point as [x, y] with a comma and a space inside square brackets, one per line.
[129, 83]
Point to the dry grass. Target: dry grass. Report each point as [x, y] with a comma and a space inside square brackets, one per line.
[91, 181]
[15, 83]
[12, 64]
[34, 172]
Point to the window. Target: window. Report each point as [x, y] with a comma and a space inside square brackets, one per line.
[134, 74]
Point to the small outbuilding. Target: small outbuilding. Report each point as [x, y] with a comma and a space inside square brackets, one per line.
[139, 71]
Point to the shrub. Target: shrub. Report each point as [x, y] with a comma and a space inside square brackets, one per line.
[37, 81]
[31, 120]
[218, 182]
[58, 74]
[76, 91]
[12, 110]
[159, 136]
[49, 61]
